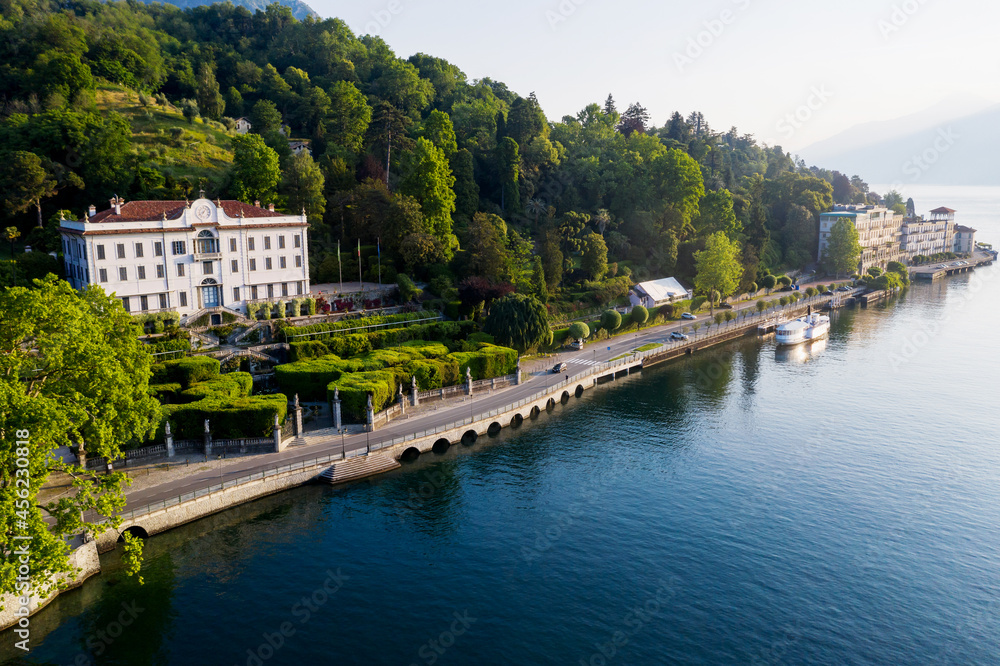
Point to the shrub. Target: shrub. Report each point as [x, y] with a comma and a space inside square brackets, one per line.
[611, 320]
[354, 390]
[487, 361]
[434, 373]
[226, 402]
[579, 331]
[186, 371]
[311, 349]
[407, 290]
[784, 281]
[639, 315]
[697, 302]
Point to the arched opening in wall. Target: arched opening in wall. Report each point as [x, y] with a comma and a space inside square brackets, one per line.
[441, 446]
[516, 421]
[565, 397]
[579, 391]
[494, 429]
[550, 405]
[135, 531]
[410, 454]
[470, 437]
[535, 411]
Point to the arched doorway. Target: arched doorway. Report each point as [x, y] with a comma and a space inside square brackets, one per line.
[211, 294]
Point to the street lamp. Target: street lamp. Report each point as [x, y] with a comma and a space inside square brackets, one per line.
[343, 444]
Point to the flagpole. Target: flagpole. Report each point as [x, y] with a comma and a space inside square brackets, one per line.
[379, 246]
[340, 268]
[360, 279]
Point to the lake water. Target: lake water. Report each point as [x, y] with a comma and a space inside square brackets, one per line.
[836, 504]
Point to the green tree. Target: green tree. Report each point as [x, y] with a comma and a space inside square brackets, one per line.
[552, 258]
[439, 130]
[25, 182]
[74, 373]
[595, 256]
[264, 118]
[718, 265]
[768, 282]
[538, 285]
[485, 241]
[679, 182]
[611, 320]
[518, 321]
[429, 180]
[234, 102]
[256, 172]
[639, 316]
[349, 116]
[508, 156]
[466, 189]
[843, 248]
[579, 331]
[11, 234]
[302, 185]
[210, 100]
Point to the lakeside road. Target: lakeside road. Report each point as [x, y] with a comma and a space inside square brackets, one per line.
[326, 442]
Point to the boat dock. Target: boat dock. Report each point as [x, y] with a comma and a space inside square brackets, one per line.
[937, 271]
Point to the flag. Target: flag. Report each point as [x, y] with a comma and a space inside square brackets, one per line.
[359, 248]
[338, 253]
[378, 246]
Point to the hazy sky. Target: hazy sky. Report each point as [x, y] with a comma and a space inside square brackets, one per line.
[748, 63]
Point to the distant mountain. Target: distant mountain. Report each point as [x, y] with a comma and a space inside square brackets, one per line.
[929, 147]
[300, 10]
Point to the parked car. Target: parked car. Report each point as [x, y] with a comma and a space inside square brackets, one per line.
[677, 335]
[576, 344]
[844, 288]
[688, 315]
[827, 293]
[559, 367]
[726, 306]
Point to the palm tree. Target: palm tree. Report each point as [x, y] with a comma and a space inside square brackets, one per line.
[11, 234]
[536, 207]
[602, 219]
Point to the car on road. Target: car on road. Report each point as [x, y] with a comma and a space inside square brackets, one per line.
[576, 344]
[788, 288]
[688, 315]
[844, 288]
[726, 306]
[827, 293]
[559, 367]
[677, 335]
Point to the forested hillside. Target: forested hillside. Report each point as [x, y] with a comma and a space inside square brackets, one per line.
[457, 178]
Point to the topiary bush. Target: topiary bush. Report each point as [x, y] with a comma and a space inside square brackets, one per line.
[611, 320]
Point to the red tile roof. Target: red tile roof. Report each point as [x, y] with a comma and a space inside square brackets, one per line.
[147, 211]
[943, 210]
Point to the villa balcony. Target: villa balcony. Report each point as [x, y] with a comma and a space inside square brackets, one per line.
[207, 256]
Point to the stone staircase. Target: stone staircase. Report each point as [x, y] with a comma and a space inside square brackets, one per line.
[360, 467]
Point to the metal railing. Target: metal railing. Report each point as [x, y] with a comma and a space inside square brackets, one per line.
[369, 327]
[223, 485]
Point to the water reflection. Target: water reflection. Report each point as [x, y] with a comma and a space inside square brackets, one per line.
[804, 353]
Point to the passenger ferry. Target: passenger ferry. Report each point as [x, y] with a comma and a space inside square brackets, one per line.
[804, 329]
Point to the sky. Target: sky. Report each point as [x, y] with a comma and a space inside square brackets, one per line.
[789, 72]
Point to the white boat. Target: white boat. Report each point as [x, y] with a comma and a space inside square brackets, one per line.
[804, 329]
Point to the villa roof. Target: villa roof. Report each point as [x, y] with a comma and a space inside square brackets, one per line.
[943, 210]
[148, 211]
[964, 229]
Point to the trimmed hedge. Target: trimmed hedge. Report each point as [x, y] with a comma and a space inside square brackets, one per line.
[310, 378]
[355, 323]
[434, 373]
[304, 350]
[185, 371]
[487, 361]
[226, 402]
[181, 345]
[355, 387]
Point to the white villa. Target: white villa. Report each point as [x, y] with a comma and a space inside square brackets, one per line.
[185, 257]
[243, 125]
[657, 292]
[930, 236]
[879, 232]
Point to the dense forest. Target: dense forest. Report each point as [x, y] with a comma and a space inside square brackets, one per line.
[460, 182]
